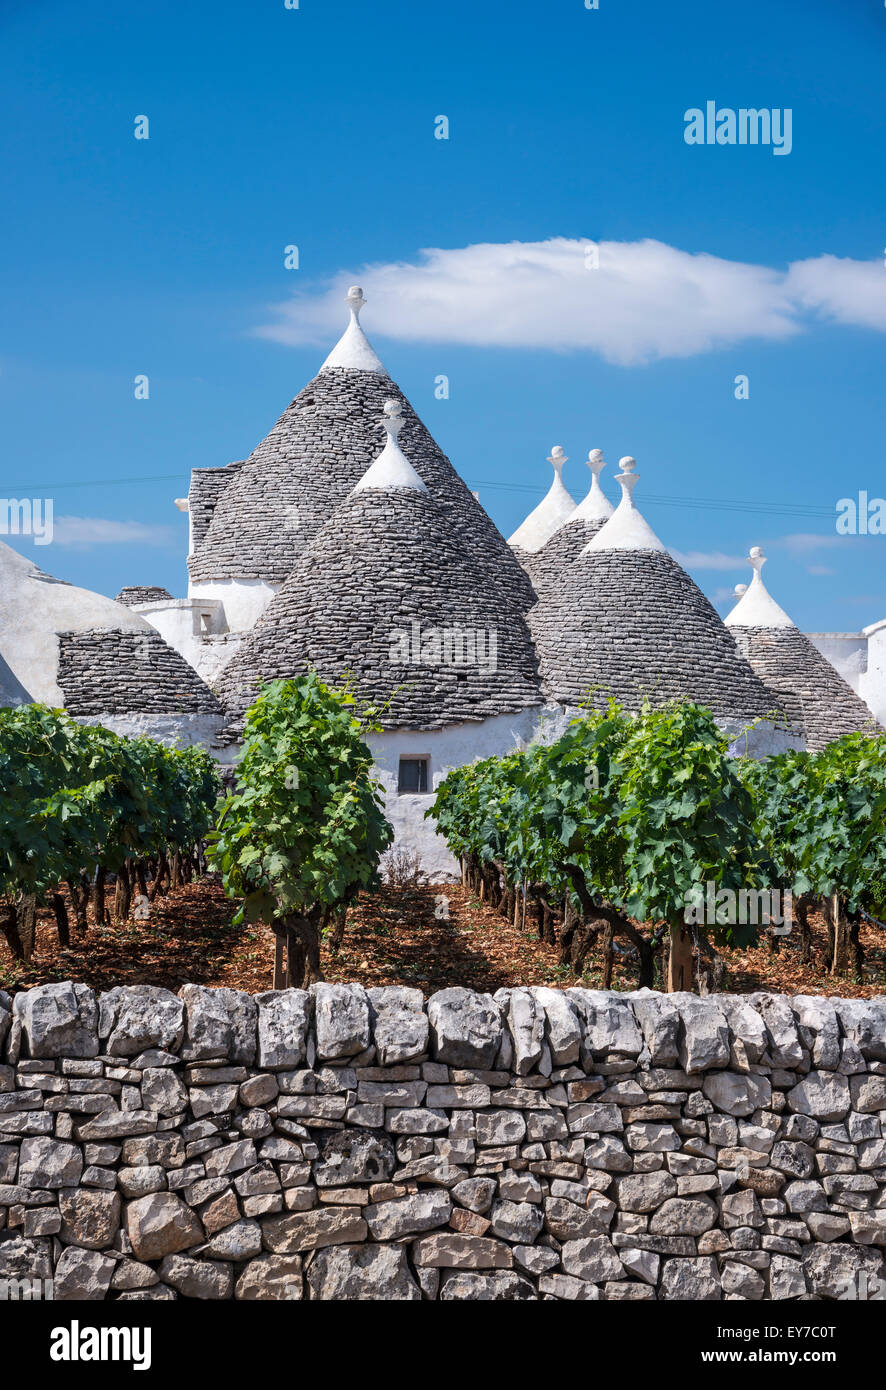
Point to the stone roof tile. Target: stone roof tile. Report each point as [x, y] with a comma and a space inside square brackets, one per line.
[316, 453]
[389, 591]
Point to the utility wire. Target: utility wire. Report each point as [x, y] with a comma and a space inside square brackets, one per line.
[698, 503]
[13, 489]
[652, 499]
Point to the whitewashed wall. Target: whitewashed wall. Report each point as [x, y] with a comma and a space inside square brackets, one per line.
[873, 683]
[243, 600]
[197, 629]
[447, 748]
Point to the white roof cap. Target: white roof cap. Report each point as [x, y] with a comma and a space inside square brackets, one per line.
[626, 529]
[555, 507]
[353, 349]
[757, 607]
[596, 506]
[392, 468]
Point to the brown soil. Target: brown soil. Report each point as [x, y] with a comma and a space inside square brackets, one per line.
[394, 936]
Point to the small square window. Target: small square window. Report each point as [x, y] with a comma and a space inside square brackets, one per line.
[413, 775]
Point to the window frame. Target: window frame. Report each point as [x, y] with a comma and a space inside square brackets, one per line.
[424, 761]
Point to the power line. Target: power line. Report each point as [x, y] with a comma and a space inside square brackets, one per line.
[696, 503]
[652, 499]
[12, 488]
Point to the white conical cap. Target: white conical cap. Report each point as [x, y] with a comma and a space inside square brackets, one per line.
[626, 529]
[392, 468]
[353, 350]
[757, 607]
[553, 510]
[596, 506]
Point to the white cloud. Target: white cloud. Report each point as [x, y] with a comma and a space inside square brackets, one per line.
[803, 542]
[80, 532]
[808, 542]
[840, 289]
[646, 300]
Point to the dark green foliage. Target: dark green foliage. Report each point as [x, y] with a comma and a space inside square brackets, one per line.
[304, 831]
[74, 795]
[822, 818]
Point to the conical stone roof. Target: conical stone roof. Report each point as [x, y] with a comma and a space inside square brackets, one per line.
[206, 487]
[567, 543]
[76, 649]
[134, 594]
[628, 622]
[388, 591]
[813, 693]
[543, 521]
[318, 450]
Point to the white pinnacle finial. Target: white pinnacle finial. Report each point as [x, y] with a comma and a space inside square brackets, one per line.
[627, 478]
[756, 607]
[557, 457]
[596, 506]
[394, 419]
[626, 529]
[353, 351]
[392, 469]
[554, 508]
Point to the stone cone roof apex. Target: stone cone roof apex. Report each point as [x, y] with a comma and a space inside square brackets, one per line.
[353, 351]
[627, 528]
[556, 506]
[392, 468]
[388, 568]
[756, 607]
[596, 506]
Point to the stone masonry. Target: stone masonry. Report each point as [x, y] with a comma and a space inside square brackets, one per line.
[342, 1144]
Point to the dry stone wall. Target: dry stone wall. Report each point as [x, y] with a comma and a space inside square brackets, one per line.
[344, 1143]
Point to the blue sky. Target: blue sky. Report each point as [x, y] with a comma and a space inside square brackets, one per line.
[315, 127]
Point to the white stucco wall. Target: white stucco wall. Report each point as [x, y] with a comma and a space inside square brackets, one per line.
[447, 748]
[872, 687]
[215, 653]
[243, 600]
[760, 740]
[176, 730]
[197, 629]
[846, 651]
[466, 743]
[12, 692]
[180, 622]
[34, 608]
[860, 658]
